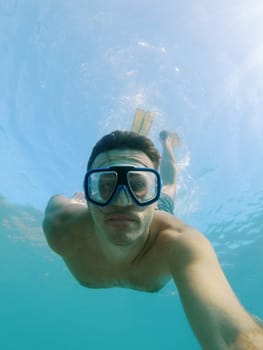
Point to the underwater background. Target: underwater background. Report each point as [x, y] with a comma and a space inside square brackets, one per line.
[71, 71]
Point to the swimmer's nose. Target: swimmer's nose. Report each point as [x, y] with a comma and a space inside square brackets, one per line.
[122, 197]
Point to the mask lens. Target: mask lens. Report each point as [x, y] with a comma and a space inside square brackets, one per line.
[143, 185]
[102, 184]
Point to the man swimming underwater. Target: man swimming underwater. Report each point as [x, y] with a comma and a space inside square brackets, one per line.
[127, 236]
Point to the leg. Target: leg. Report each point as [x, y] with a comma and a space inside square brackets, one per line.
[168, 166]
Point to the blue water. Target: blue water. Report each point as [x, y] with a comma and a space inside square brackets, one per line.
[71, 71]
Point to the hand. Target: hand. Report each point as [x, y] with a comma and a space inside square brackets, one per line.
[78, 198]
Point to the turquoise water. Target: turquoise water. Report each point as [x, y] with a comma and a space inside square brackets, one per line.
[71, 71]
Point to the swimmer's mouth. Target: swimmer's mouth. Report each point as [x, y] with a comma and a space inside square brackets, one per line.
[121, 217]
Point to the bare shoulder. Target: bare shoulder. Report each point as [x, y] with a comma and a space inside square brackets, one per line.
[61, 211]
[182, 243]
[175, 232]
[64, 221]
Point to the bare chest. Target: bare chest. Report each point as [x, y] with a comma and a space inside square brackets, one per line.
[149, 274]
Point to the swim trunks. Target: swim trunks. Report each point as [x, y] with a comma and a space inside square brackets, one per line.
[166, 203]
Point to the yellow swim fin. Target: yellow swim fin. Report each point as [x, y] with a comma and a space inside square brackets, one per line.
[142, 122]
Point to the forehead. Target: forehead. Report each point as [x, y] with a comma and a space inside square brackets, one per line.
[122, 156]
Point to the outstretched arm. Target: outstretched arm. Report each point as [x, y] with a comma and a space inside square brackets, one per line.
[217, 318]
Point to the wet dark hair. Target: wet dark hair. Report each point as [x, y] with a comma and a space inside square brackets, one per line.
[125, 140]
